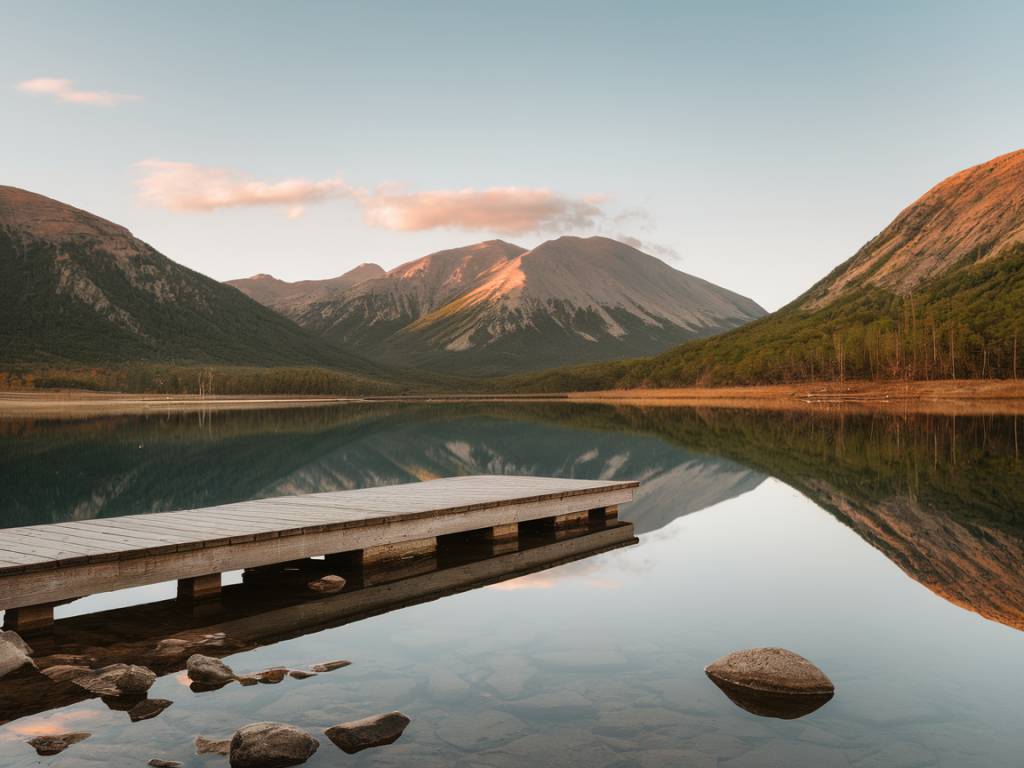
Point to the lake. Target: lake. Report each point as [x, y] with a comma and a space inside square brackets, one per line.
[888, 549]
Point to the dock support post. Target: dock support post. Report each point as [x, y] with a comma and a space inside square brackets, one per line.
[605, 513]
[29, 617]
[199, 587]
[400, 550]
[558, 522]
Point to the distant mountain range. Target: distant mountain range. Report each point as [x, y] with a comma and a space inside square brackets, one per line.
[937, 294]
[78, 288]
[494, 307]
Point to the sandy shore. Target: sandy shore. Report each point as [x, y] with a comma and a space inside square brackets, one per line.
[83, 404]
[946, 397]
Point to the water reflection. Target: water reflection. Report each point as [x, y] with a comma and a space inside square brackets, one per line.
[270, 605]
[942, 497]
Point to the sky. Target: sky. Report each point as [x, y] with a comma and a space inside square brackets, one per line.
[756, 145]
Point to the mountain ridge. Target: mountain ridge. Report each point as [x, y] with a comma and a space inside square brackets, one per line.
[77, 288]
[494, 307]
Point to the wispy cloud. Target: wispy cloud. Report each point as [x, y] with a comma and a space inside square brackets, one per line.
[194, 188]
[507, 210]
[661, 251]
[65, 90]
[503, 210]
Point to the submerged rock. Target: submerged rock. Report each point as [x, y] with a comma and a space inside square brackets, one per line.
[61, 673]
[207, 671]
[271, 676]
[299, 674]
[118, 680]
[15, 653]
[205, 746]
[156, 762]
[173, 648]
[330, 666]
[327, 585]
[375, 731]
[54, 745]
[147, 709]
[771, 682]
[271, 745]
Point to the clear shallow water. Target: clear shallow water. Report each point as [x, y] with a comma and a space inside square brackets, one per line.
[868, 544]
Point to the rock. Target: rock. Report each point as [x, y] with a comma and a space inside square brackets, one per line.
[247, 680]
[14, 653]
[205, 746]
[207, 670]
[71, 659]
[54, 745]
[299, 674]
[271, 745]
[118, 680]
[330, 666]
[375, 731]
[61, 673]
[177, 647]
[158, 763]
[327, 585]
[147, 709]
[771, 682]
[271, 676]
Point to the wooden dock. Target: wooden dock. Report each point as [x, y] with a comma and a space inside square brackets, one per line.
[44, 565]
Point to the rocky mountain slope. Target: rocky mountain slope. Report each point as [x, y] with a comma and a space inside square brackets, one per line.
[974, 215]
[76, 288]
[288, 298]
[494, 307]
[936, 295]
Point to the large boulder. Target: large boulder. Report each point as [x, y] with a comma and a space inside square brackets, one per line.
[375, 731]
[771, 682]
[118, 681]
[270, 745]
[207, 670]
[54, 745]
[14, 653]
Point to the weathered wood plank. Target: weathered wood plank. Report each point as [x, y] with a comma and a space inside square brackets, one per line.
[99, 555]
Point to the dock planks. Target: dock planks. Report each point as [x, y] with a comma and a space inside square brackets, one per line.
[50, 563]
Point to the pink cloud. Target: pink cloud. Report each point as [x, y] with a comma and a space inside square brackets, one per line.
[189, 187]
[65, 90]
[505, 210]
[509, 210]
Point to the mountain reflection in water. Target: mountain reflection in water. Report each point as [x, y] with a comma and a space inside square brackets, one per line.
[942, 497]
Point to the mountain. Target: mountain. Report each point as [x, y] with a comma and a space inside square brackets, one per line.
[493, 307]
[284, 297]
[937, 294]
[78, 289]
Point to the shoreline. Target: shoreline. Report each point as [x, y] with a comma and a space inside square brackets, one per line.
[948, 397]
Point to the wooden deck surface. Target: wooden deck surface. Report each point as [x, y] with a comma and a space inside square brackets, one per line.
[59, 545]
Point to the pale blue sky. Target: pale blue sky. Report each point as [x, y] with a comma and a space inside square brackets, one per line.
[761, 142]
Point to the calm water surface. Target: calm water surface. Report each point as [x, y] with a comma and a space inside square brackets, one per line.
[886, 549]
